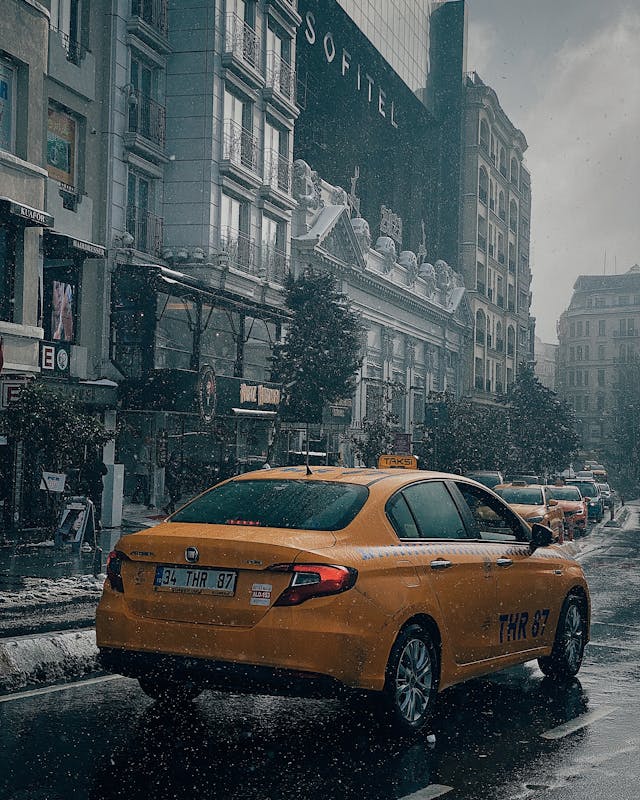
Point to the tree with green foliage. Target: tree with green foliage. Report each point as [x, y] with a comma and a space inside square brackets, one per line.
[318, 361]
[459, 435]
[54, 429]
[542, 427]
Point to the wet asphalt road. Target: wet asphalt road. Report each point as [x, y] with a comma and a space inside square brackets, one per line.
[514, 735]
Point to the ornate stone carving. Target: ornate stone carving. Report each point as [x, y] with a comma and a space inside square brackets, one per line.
[338, 196]
[303, 188]
[387, 249]
[317, 189]
[443, 276]
[390, 224]
[409, 261]
[363, 234]
[428, 273]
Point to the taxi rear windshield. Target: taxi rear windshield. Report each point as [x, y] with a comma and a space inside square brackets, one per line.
[565, 493]
[524, 496]
[305, 505]
[587, 489]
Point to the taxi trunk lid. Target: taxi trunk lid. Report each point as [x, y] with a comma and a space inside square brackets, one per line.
[229, 583]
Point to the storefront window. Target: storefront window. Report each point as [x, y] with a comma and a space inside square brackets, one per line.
[7, 271]
[177, 320]
[7, 106]
[259, 338]
[60, 301]
[219, 336]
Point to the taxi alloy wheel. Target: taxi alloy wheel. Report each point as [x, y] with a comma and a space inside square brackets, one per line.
[169, 690]
[568, 648]
[411, 679]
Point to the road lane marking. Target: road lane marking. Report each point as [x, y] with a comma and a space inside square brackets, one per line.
[59, 688]
[429, 792]
[628, 648]
[614, 624]
[579, 722]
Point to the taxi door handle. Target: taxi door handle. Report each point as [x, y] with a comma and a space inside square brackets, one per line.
[504, 562]
[441, 563]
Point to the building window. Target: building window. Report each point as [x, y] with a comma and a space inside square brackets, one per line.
[579, 329]
[572, 330]
[515, 171]
[579, 377]
[572, 378]
[142, 223]
[7, 271]
[578, 353]
[601, 352]
[513, 216]
[7, 106]
[147, 117]
[572, 354]
[602, 331]
[600, 377]
[586, 377]
[502, 208]
[600, 402]
[587, 331]
[483, 185]
[280, 73]
[484, 134]
[600, 302]
[274, 261]
[66, 16]
[234, 234]
[239, 144]
[277, 164]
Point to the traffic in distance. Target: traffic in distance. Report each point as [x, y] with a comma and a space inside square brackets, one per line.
[383, 585]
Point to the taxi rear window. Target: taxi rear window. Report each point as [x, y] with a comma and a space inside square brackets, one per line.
[305, 505]
[524, 496]
[565, 493]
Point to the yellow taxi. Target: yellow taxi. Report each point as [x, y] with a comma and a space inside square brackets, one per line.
[388, 585]
[534, 503]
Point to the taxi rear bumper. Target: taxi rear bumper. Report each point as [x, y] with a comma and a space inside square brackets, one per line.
[221, 675]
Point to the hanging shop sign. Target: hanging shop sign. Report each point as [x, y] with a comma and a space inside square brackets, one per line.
[25, 214]
[55, 358]
[10, 390]
[241, 394]
[206, 393]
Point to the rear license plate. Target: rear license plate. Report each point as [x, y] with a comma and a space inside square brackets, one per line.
[189, 580]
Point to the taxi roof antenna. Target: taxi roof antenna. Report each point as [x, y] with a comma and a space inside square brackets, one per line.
[307, 454]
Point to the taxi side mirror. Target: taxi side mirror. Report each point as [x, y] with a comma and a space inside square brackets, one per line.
[541, 536]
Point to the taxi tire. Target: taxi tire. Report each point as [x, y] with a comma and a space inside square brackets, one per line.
[569, 643]
[412, 641]
[169, 691]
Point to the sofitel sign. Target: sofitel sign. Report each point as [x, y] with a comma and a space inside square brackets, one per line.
[376, 96]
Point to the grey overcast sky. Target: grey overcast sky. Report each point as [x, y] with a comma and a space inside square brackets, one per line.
[567, 73]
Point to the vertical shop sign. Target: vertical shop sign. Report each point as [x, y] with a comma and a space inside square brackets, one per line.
[61, 147]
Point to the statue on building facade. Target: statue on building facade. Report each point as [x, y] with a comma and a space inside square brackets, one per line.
[363, 233]
[387, 249]
[427, 272]
[409, 261]
[443, 276]
[303, 188]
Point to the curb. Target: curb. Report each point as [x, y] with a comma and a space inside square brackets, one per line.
[46, 658]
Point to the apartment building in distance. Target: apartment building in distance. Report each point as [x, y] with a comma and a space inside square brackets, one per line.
[598, 333]
[546, 362]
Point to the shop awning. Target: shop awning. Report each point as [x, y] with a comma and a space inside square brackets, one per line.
[255, 413]
[61, 241]
[27, 215]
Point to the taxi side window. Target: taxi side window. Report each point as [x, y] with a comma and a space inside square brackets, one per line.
[493, 522]
[434, 511]
[401, 518]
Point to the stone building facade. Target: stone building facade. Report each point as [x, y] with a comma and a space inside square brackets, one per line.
[546, 363]
[598, 334]
[496, 214]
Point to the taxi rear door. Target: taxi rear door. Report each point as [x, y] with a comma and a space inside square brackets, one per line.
[425, 516]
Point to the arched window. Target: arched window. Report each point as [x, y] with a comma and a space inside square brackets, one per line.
[511, 340]
[484, 134]
[502, 208]
[503, 161]
[515, 171]
[513, 216]
[483, 185]
[481, 327]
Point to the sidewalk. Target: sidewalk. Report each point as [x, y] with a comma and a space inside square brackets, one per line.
[66, 597]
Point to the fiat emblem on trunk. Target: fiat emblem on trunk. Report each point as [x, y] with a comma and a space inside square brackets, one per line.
[192, 554]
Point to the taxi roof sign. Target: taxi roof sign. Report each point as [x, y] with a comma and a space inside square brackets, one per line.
[398, 461]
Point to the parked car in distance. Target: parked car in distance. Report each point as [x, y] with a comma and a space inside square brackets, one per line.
[534, 503]
[487, 477]
[607, 494]
[573, 505]
[384, 585]
[600, 473]
[589, 489]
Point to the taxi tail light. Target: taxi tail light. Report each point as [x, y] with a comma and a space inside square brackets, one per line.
[114, 567]
[314, 580]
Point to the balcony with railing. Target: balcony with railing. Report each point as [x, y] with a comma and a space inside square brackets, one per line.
[146, 228]
[274, 264]
[146, 126]
[71, 63]
[242, 51]
[149, 22]
[240, 153]
[280, 87]
[277, 179]
[240, 251]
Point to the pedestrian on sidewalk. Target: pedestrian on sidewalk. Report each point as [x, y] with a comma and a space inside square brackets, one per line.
[91, 483]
